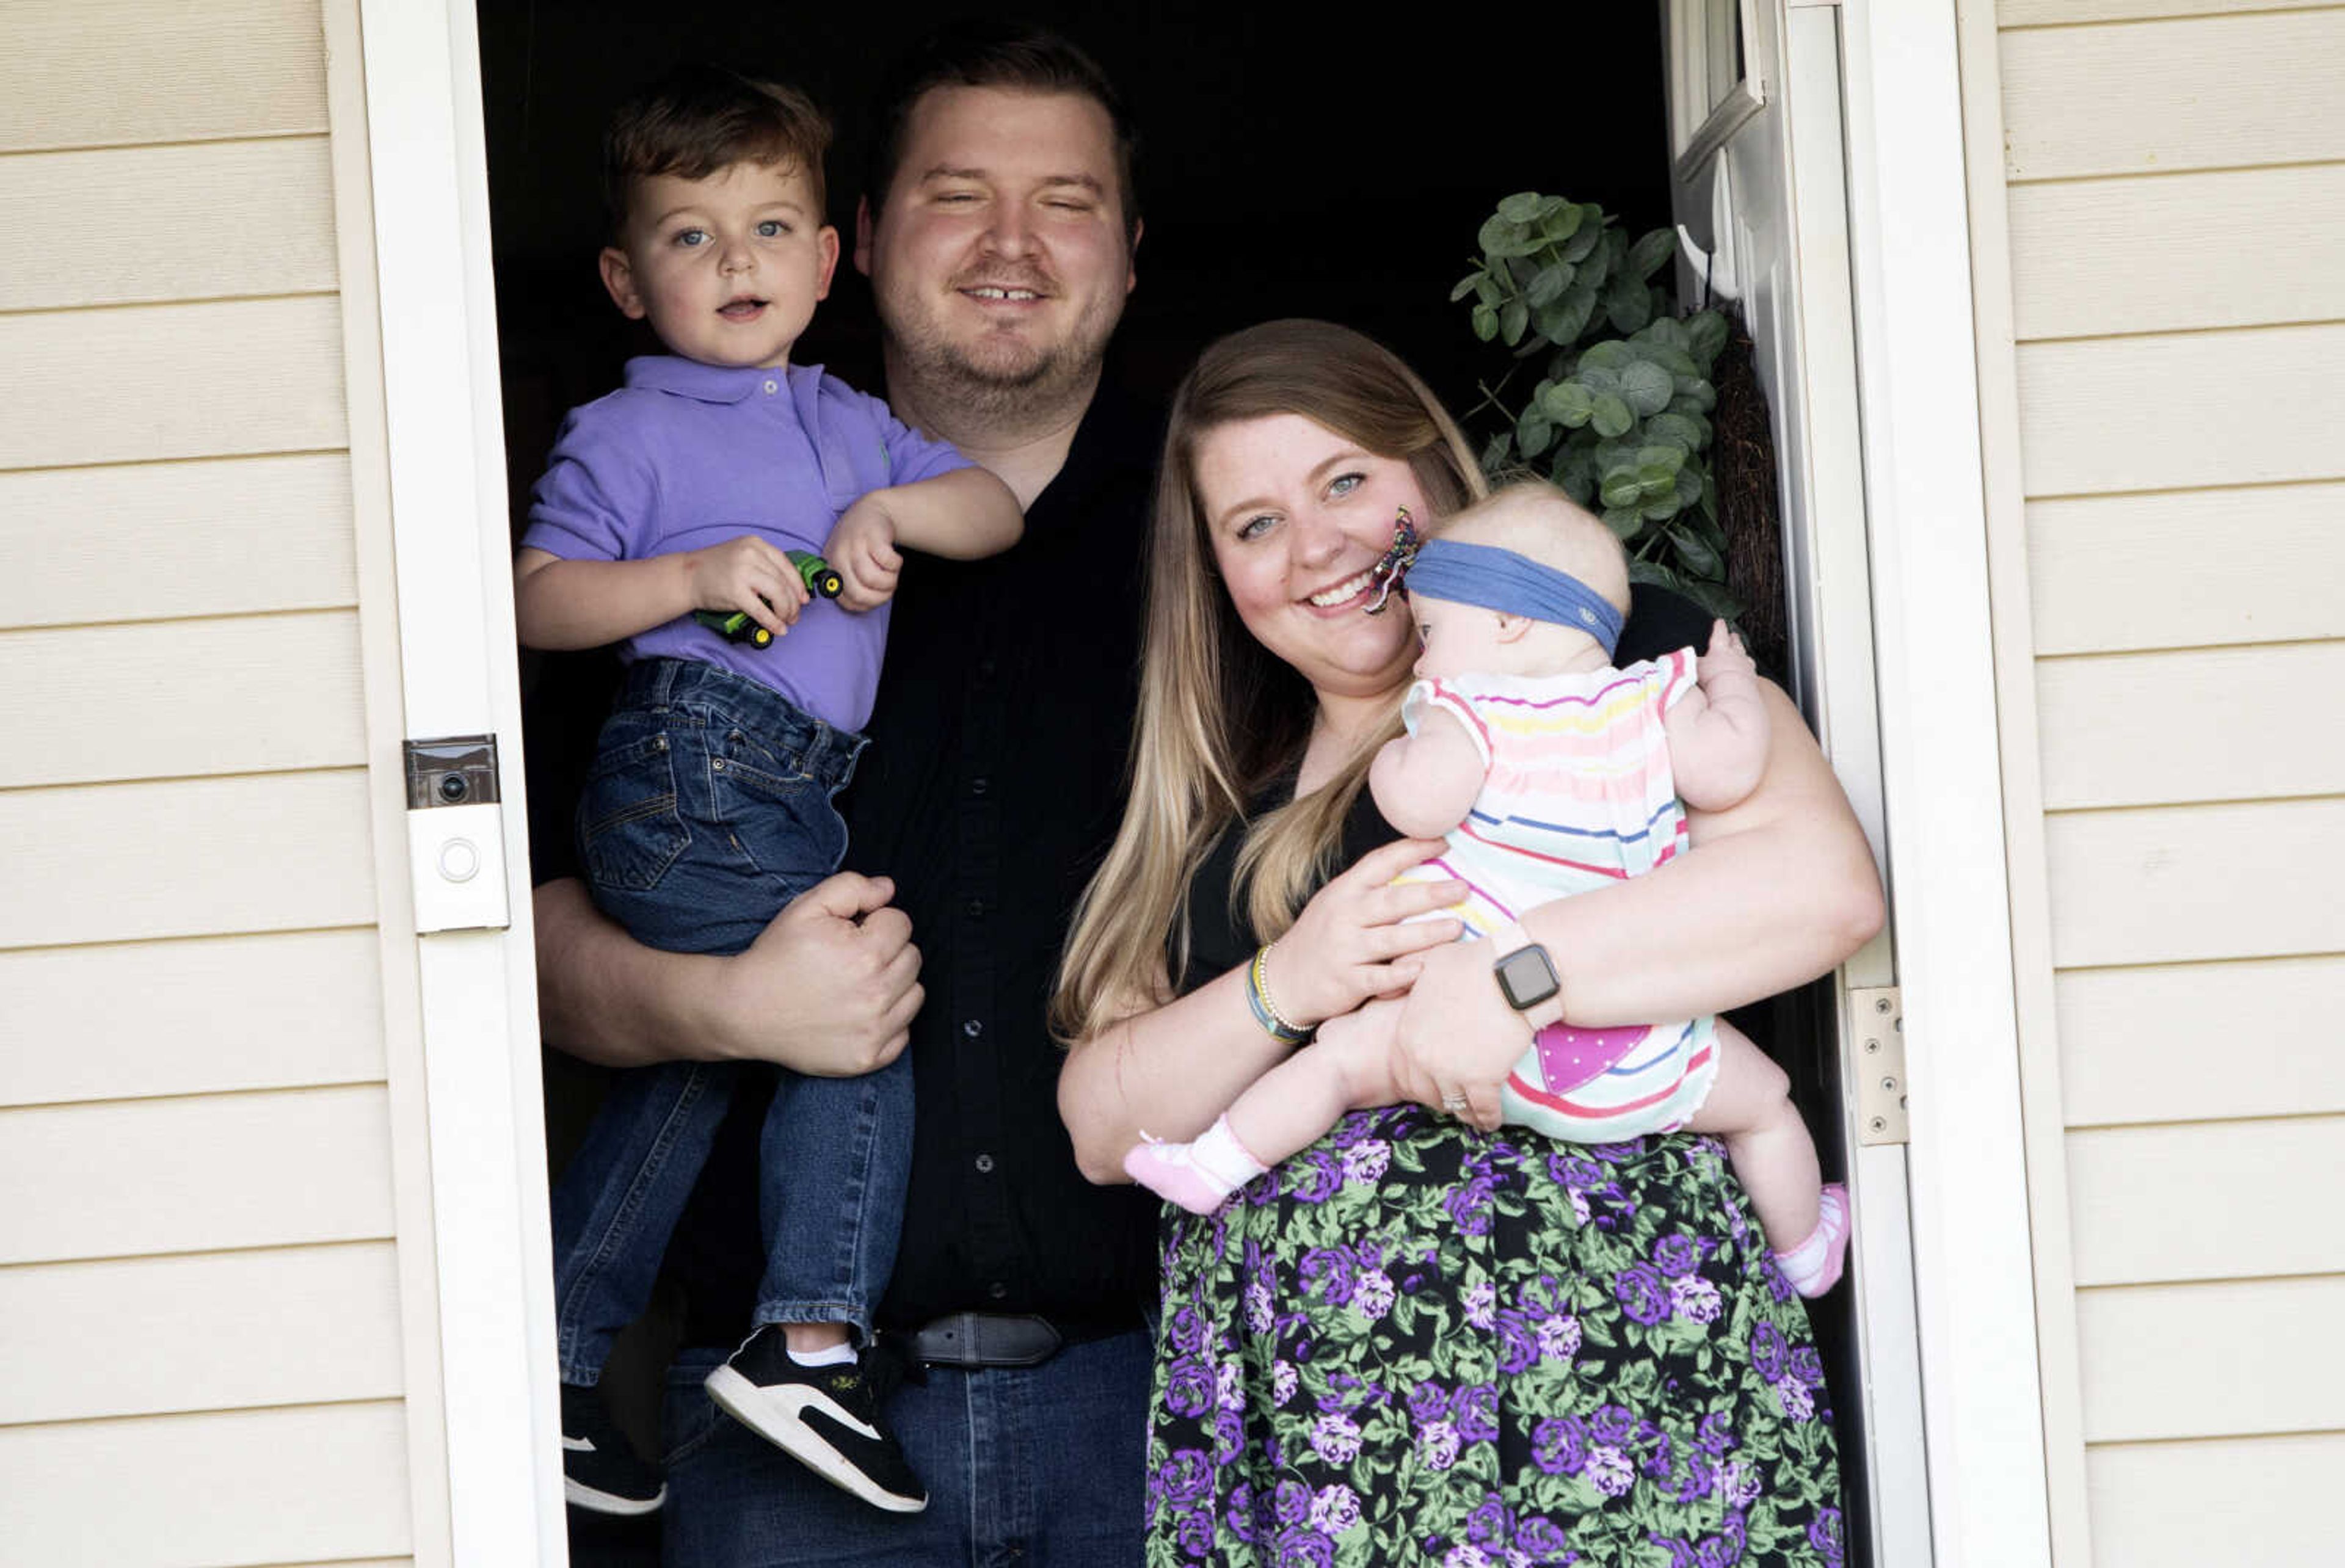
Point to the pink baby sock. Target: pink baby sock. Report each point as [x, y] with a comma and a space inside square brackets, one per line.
[1813, 1266]
[1200, 1176]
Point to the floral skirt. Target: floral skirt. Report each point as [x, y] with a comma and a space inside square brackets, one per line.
[1415, 1342]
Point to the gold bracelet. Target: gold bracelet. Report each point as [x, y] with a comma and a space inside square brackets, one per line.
[1266, 1011]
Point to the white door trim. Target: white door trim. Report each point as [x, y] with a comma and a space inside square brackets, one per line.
[1948, 873]
[429, 171]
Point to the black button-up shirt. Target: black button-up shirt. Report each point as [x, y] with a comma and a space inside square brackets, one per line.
[992, 785]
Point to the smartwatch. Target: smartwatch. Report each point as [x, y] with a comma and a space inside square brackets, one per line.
[1526, 976]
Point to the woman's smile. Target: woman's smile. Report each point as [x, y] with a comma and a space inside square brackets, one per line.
[1298, 518]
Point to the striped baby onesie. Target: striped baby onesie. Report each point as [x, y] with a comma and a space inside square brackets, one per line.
[1577, 793]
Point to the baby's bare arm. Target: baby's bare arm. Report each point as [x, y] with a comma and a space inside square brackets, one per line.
[1718, 731]
[1426, 782]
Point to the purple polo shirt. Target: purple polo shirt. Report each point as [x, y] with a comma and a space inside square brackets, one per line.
[687, 455]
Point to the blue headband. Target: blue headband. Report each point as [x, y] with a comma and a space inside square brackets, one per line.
[1512, 584]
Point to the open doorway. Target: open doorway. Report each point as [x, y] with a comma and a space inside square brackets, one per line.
[1288, 167]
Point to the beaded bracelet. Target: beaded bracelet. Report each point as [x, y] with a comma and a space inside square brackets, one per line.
[1266, 1011]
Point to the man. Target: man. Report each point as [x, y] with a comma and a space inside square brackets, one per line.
[999, 233]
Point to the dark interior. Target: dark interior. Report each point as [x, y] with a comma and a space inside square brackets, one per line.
[1290, 164]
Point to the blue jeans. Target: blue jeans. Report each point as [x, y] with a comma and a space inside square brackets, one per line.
[710, 807]
[1026, 1467]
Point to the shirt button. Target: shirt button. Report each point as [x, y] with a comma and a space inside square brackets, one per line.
[979, 785]
[985, 1164]
[997, 1289]
[972, 1027]
[977, 909]
[771, 388]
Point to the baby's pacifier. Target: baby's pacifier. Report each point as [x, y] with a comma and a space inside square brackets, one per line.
[1387, 572]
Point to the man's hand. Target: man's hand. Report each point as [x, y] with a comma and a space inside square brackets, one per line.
[830, 988]
[862, 550]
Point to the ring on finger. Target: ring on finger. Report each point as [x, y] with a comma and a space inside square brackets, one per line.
[1453, 1102]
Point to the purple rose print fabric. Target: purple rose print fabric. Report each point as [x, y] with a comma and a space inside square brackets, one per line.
[1417, 1343]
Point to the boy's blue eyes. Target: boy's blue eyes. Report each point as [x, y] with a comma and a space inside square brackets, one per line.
[693, 238]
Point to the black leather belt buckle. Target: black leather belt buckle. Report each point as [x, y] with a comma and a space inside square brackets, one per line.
[986, 1340]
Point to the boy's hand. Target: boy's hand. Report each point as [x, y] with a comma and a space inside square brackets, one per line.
[745, 573]
[862, 550]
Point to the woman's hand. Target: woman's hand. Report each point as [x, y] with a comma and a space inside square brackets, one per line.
[1350, 944]
[1457, 1036]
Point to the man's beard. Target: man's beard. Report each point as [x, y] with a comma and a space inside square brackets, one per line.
[1004, 379]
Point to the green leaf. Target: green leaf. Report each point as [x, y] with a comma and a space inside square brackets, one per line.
[1588, 236]
[1512, 319]
[1628, 303]
[1669, 332]
[1600, 379]
[1699, 558]
[1485, 322]
[1661, 458]
[1688, 487]
[1568, 403]
[1520, 271]
[1549, 283]
[1523, 206]
[1610, 354]
[1465, 285]
[1707, 329]
[1684, 430]
[1714, 599]
[1705, 395]
[1612, 416]
[1489, 291]
[1652, 571]
[1647, 387]
[1648, 253]
[1624, 521]
[1622, 490]
[1533, 434]
[1495, 454]
[1676, 361]
[1567, 318]
[1558, 219]
[1659, 511]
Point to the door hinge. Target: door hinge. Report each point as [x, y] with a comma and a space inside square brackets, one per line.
[456, 835]
[1876, 1022]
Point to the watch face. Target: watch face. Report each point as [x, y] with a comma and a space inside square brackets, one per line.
[1526, 977]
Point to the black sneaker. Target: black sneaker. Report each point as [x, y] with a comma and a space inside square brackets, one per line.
[825, 1418]
[600, 1472]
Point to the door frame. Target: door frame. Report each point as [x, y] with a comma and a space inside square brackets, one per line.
[1950, 885]
[1899, 612]
[440, 449]
[1918, 397]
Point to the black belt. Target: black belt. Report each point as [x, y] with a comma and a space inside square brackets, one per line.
[998, 1339]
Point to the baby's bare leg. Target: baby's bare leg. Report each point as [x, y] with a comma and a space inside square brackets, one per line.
[1347, 1068]
[1750, 1108]
[1282, 1112]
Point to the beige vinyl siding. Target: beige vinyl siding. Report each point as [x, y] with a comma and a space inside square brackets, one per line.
[200, 1269]
[2175, 186]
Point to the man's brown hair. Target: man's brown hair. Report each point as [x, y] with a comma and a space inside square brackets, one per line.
[1016, 57]
[699, 119]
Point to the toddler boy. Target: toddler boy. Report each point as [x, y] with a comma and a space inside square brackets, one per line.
[710, 803]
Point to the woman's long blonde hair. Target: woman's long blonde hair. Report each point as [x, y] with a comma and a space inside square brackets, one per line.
[1219, 716]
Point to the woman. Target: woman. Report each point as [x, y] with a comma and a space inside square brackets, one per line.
[1416, 1341]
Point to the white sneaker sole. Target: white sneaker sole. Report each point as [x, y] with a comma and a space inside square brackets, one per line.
[773, 1416]
[580, 1494]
